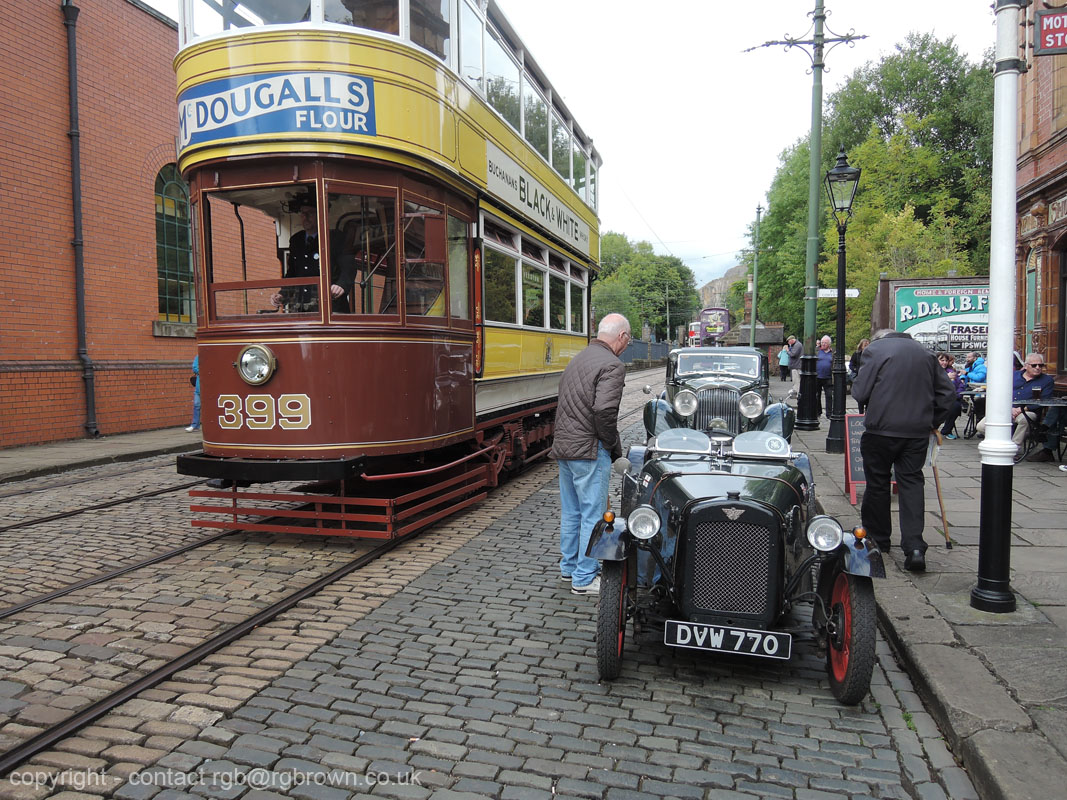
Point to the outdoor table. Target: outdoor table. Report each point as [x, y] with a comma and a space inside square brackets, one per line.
[1037, 432]
[969, 398]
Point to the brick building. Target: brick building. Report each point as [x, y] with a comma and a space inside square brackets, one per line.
[126, 367]
[1041, 244]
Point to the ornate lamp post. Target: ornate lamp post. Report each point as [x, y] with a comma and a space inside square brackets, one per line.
[841, 183]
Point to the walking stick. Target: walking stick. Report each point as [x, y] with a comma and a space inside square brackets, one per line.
[937, 483]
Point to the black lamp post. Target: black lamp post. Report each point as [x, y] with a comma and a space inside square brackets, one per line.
[841, 183]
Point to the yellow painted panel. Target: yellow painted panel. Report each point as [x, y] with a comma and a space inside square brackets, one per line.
[513, 351]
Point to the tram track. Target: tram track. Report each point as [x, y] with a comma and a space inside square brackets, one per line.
[48, 737]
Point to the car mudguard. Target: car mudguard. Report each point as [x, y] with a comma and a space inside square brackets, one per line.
[660, 417]
[778, 418]
[861, 557]
[802, 462]
[609, 541]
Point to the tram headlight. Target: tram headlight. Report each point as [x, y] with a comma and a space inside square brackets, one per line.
[685, 403]
[643, 522]
[255, 364]
[825, 534]
[750, 405]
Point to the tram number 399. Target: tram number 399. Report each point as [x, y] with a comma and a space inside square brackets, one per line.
[261, 412]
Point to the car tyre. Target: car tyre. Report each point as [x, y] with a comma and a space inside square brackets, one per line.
[611, 619]
[850, 649]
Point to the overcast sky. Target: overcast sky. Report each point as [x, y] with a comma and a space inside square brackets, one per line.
[688, 125]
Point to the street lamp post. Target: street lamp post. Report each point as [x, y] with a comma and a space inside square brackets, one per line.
[755, 282]
[841, 183]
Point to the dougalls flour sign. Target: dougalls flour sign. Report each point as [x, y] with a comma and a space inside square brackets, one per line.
[950, 318]
[508, 180]
[283, 102]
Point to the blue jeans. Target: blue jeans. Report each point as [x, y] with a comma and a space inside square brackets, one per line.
[196, 411]
[583, 494]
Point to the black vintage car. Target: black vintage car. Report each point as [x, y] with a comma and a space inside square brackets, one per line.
[722, 388]
[721, 540]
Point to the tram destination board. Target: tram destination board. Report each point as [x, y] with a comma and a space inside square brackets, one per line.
[854, 476]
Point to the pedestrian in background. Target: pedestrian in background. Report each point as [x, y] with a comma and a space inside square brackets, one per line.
[856, 362]
[585, 443]
[796, 350]
[783, 364]
[907, 394]
[1029, 383]
[195, 424]
[824, 362]
[945, 360]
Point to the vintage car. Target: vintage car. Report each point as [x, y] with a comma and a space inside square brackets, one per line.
[725, 388]
[720, 544]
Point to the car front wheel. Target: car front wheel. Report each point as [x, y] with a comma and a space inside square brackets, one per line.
[611, 619]
[850, 645]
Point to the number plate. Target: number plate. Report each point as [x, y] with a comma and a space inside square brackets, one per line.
[740, 641]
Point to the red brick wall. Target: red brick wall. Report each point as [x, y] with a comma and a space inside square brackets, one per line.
[127, 126]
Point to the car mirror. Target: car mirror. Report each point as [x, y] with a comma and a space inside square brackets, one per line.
[622, 465]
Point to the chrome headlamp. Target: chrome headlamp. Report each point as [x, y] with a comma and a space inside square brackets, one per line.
[750, 405]
[825, 534]
[643, 522]
[685, 403]
[255, 364]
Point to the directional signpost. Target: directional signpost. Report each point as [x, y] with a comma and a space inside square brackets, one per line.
[832, 293]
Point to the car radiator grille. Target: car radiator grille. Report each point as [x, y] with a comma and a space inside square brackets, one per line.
[721, 403]
[731, 567]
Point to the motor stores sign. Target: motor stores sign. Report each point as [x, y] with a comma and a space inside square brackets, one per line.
[508, 180]
[282, 102]
[1050, 32]
[952, 318]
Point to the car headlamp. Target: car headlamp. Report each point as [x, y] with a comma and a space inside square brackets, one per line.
[685, 403]
[750, 405]
[255, 364]
[643, 522]
[825, 534]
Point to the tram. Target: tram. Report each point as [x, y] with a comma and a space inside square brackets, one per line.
[395, 231]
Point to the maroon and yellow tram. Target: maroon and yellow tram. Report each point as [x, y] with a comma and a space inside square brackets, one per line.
[395, 230]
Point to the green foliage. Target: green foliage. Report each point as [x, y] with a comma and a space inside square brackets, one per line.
[637, 282]
[919, 124]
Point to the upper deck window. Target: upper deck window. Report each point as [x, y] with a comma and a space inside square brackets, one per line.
[502, 78]
[375, 15]
[470, 47]
[430, 26]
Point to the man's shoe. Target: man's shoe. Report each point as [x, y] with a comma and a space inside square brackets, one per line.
[1041, 454]
[192, 428]
[564, 578]
[589, 588]
[951, 436]
[915, 561]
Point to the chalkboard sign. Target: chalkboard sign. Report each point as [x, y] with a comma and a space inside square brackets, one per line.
[854, 476]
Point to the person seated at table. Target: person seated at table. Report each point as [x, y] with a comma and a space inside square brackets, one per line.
[1029, 384]
[945, 360]
[974, 370]
[1049, 448]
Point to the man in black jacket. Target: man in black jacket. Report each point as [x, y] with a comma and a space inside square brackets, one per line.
[585, 442]
[907, 395]
[303, 262]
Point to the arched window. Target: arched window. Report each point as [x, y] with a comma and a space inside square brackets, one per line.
[174, 255]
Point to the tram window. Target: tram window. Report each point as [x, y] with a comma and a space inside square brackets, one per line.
[429, 25]
[577, 308]
[500, 235]
[499, 286]
[424, 269]
[502, 74]
[590, 194]
[580, 160]
[533, 297]
[557, 303]
[535, 118]
[458, 265]
[366, 264]
[374, 15]
[561, 147]
[470, 47]
[212, 16]
[532, 251]
[242, 229]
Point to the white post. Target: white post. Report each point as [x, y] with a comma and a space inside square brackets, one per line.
[993, 590]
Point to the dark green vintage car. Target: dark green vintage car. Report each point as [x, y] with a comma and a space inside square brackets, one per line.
[718, 388]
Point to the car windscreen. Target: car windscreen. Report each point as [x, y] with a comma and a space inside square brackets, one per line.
[734, 364]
